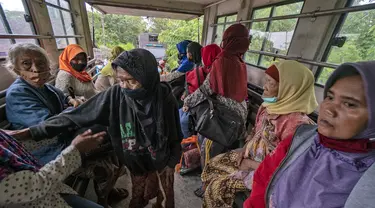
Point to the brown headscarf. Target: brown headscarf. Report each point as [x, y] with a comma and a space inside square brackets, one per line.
[66, 57]
[228, 74]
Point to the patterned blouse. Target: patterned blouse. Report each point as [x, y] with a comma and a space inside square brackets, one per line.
[41, 189]
[268, 132]
[64, 80]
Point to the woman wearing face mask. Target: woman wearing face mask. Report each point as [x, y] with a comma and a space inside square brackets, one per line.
[185, 64]
[143, 123]
[332, 164]
[72, 74]
[30, 101]
[288, 97]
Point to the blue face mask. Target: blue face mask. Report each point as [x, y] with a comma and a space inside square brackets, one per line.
[137, 94]
[269, 99]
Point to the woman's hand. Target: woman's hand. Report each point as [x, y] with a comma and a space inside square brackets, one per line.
[185, 108]
[23, 134]
[87, 141]
[248, 164]
[75, 102]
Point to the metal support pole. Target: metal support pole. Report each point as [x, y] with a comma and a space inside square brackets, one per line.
[6, 23]
[306, 61]
[18, 36]
[309, 14]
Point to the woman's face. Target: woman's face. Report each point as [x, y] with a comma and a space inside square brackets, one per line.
[33, 67]
[126, 80]
[343, 114]
[79, 62]
[189, 55]
[271, 87]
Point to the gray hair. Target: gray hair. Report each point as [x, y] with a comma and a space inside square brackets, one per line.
[19, 50]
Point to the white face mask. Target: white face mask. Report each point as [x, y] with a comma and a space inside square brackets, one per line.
[269, 99]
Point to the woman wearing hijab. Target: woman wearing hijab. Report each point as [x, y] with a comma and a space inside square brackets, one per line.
[185, 64]
[209, 54]
[26, 183]
[142, 117]
[228, 81]
[190, 156]
[72, 74]
[332, 164]
[107, 78]
[289, 97]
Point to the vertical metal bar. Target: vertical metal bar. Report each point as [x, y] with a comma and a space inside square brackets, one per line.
[6, 23]
[198, 31]
[93, 25]
[63, 22]
[265, 39]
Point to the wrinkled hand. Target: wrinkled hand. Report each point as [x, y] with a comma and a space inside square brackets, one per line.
[76, 102]
[87, 141]
[185, 108]
[245, 165]
[23, 134]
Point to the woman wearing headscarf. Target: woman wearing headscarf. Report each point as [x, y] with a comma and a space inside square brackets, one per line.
[26, 183]
[142, 117]
[194, 55]
[209, 54]
[107, 78]
[228, 81]
[289, 97]
[332, 164]
[184, 66]
[72, 74]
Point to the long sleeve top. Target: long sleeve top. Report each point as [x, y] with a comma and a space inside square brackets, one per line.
[42, 188]
[64, 80]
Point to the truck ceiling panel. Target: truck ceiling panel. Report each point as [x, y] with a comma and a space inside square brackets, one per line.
[142, 12]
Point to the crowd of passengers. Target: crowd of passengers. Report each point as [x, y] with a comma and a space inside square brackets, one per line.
[132, 117]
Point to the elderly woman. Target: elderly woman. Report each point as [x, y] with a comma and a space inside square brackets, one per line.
[30, 101]
[143, 121]
[228, 81]
[72, 77]
[26, 183]
[289, 97]
[107, 78]
[332, 164]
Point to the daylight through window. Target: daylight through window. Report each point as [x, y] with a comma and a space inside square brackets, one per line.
[272, 36]
[221, 28]
[62, 22]
[358, 31]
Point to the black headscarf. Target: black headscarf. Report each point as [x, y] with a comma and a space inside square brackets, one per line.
[195, 49]
[147, 101]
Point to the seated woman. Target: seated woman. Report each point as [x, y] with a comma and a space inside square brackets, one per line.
[143, 121]
[30, 101]
[227, 81]
[72, 74]
[26, 183]
[107, 78]
[185, 64]
[194, 55]
[332, 164]
[289, 97]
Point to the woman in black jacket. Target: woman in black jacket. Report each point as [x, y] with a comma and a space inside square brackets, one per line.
[143, 120]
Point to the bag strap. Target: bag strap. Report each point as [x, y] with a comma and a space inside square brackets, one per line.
[198, 76]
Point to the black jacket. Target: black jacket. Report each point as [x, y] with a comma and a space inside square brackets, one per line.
[109, 108]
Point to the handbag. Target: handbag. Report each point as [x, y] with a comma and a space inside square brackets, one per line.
[219, 123]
